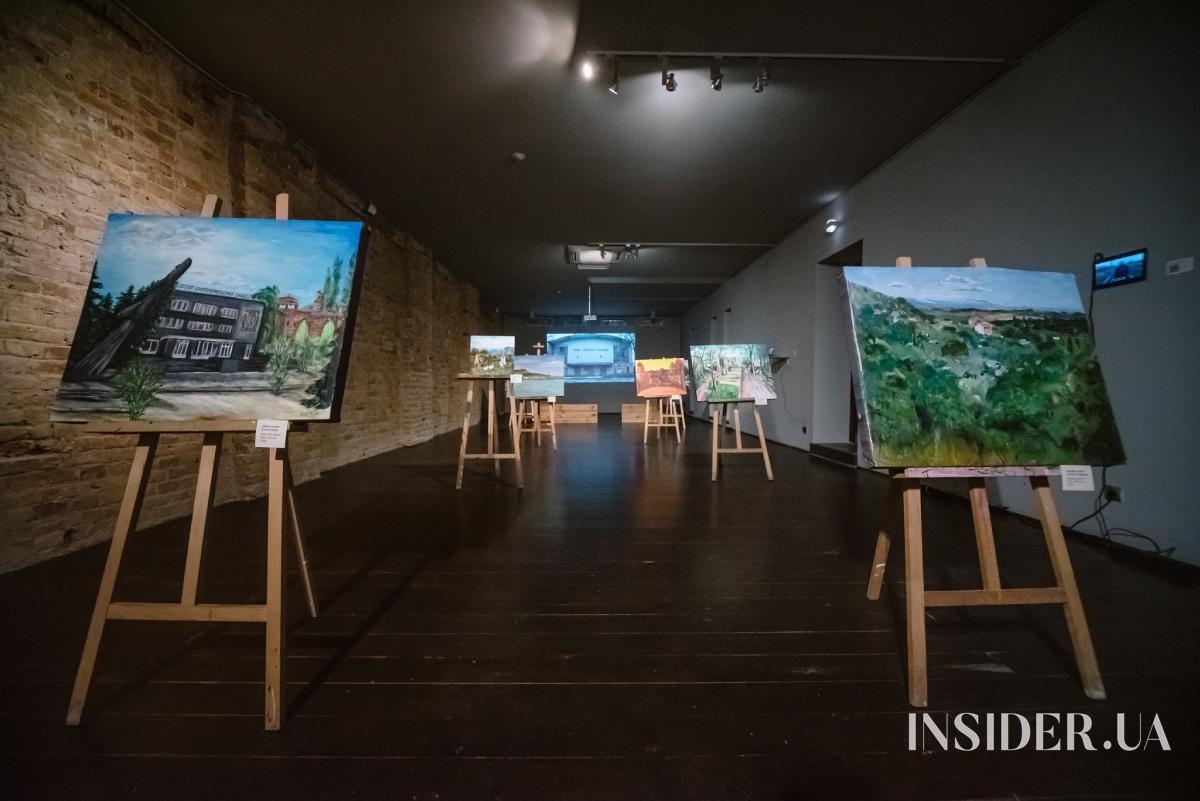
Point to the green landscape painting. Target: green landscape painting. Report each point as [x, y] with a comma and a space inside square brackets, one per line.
[732, 373]
[966, 367]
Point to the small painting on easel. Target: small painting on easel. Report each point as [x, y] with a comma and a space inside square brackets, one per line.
[541, 376]
[659, 378]
[727, 373]
[970, 367]
[491, 356]
[204, 318]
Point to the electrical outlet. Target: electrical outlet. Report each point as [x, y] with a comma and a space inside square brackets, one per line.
[1114, 494]
[1179, 266]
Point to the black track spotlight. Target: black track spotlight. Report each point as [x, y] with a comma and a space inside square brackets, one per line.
[715, 76]
[614, 85]
[763, 78]
[668, 78]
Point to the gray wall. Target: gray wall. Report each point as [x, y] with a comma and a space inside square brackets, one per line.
[1093, 144]
[652, 342]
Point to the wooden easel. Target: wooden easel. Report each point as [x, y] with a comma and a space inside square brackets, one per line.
[666, 419]
[720, 410]
[904, 500]
[530, 412]
[490, 389]
[281, 511]
[676, 408]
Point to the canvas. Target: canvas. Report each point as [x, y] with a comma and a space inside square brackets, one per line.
[660, 378]
[961, 367]
[491, 356]
[541, 376]
[202, 318]
[732, 373]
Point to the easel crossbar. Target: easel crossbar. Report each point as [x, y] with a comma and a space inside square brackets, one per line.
[1010, 597]
[229, 613]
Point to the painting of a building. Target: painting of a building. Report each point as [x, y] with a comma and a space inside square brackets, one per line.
[205, 329]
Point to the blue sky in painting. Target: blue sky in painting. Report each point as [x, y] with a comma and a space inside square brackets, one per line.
[971, 288]
[234, 254]
[489, 342]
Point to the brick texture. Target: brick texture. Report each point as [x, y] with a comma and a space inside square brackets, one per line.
[97, 115]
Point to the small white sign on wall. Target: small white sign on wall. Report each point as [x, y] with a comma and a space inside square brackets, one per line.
[1078, 478]
[270, 433]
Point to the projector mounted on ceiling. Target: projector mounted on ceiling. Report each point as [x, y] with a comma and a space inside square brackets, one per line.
[598, 257]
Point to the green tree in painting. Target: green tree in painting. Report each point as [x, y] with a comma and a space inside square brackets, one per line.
[96, 320]
[269, 297]
[137, 385]
[321, 391]
[333, 284]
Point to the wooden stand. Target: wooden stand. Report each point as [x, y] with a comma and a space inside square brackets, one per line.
[904, 493]
[531, 421]
[490, 389]
[675, 407]
[667, 418]
[720, 410]
[281, 512]
[907, 484]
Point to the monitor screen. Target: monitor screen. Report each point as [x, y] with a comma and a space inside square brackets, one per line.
[593, 358]
[1121, 269]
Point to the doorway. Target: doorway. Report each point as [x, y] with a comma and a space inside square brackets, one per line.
[835, 418]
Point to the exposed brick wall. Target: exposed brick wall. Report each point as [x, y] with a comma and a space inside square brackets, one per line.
[96, 115]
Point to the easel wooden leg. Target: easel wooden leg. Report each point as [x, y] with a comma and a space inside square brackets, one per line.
[646, 424]
[275, 683]
[516, 438]
[762, 443]
[914, 591]
[682, 418]
[888, 517]
[715, 412]
[1064, 574]
[537, 420]
[206, 479]
[298, 542]
[462, 448]
[984, 541]
[676, 419]
[131, 504]
[552, 414]
[491, 447]
[737, 426]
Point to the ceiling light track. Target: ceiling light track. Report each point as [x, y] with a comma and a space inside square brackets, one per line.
[679, 55]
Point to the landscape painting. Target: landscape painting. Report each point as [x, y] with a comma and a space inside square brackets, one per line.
[541, 376]
[203, 318]
[968, 367]
[732, 373]
[491, 356]
[660, 378]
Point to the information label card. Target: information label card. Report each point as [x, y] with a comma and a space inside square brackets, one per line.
[1078, 478]
[270, 434]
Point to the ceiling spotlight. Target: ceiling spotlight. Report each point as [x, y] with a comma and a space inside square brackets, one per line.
[588, 70]
[614, 85]
[832, 225]
[715, 76]
[763, 78]
[668, 78]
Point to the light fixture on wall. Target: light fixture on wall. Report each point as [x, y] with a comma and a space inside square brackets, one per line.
[587, 69]
[668, 78]
[763, 78]
[715, 76]
[614, 85]
[832, 225]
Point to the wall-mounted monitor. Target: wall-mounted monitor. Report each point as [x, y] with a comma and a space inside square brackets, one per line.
[1124, 268]
[594, 358]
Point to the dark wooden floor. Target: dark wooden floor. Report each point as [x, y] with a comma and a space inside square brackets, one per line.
[623, 629]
